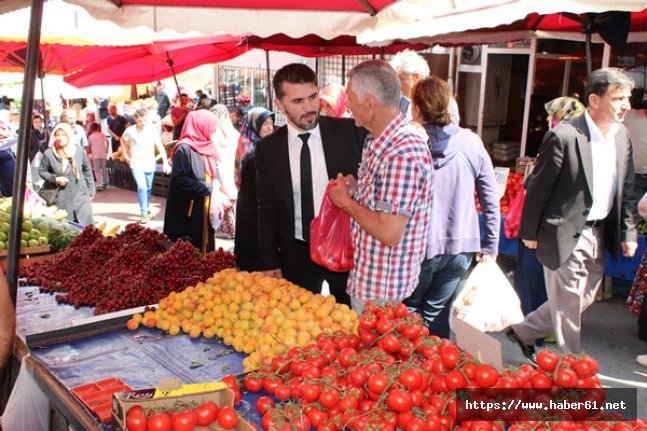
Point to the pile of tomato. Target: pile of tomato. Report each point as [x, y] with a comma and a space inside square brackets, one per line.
[513, 186]
[393, 375]
[181, 417]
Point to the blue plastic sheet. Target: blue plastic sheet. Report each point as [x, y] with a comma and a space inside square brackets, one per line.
[39, 312]
[140, 358]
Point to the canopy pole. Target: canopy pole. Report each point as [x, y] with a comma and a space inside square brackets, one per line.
[269, 81]
[42, 93]
[169, 61]
[589, 55]
[22, 163]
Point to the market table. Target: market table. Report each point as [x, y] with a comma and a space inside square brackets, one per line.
[64, 347]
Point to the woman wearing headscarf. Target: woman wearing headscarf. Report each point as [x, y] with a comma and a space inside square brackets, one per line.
[66, 167]
[333, 101]
[194, 168]
[258, 124]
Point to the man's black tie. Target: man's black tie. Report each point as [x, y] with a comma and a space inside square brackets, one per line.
[307, 199]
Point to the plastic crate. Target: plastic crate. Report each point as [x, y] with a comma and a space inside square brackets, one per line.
[161, 184]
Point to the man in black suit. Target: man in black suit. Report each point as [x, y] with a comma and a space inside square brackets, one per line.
[293, 167]
[579, 201]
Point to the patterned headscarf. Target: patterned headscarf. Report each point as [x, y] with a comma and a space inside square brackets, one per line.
[249, 135]
[563, 109]
[196, 133]
[66, 152]
[335, 95]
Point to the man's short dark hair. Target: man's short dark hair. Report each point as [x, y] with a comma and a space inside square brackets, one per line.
[295, 73]
[601, 79]
[237, 110]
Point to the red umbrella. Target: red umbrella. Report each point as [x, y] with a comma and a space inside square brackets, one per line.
[55, 58]
[157, 60]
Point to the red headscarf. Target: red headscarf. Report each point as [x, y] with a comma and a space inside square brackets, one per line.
[196, 133]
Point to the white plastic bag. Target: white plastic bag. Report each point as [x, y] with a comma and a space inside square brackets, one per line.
[642, 206]
[216, 209]
[28, 407]
[488, 302]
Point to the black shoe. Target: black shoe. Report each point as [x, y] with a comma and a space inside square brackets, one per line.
[528, 350]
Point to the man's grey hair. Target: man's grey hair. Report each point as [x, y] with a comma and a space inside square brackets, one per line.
[378, 79]
[411, 63]
[601, 79]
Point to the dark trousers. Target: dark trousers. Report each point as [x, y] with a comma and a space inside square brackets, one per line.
[311, 276]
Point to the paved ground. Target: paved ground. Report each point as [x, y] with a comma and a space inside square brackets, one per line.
[119, 206]
[609, 331]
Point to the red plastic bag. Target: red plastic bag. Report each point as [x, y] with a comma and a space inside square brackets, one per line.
[331, 245]
[513, 220]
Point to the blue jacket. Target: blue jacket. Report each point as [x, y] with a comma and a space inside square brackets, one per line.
[461, 166]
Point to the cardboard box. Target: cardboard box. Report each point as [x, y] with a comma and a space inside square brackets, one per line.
[153, 397]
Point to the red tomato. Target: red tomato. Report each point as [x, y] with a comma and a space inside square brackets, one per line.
[383, 326]
[231, 381]
[159, 422]
[399, 401]
[416, 424]
[455, 380]
[547, 360]
[282, 392]
[486, 376]
[227, 417]
[586, 367]
[566, 378]
[269, 384]
[358, 377]
[329, 398]
[206, 413]
[377, 383]
[263, 404]
[309, 393]
[450, 356]
[136, 419]
[348, 357]
[184, 421]
[390, 343]
[316, 416]
[541, 381]
[253, 383]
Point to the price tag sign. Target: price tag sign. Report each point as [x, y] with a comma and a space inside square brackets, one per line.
[501, 175]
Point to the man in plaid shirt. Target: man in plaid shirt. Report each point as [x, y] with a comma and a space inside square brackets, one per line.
[390, 202]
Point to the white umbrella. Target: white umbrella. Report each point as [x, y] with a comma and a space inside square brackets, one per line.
[417, 20]
[262, 21]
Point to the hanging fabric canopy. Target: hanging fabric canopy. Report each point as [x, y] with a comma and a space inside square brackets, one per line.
[493, 21]
[296, 18]
[312, 45]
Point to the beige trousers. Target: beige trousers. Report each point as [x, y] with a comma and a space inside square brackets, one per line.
[571, 290]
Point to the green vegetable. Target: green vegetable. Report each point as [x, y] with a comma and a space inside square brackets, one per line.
[62, 235]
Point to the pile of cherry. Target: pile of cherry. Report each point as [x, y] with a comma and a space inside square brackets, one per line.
[139, 266]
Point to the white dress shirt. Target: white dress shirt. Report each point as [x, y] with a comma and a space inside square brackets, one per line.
[605, 171]
[319, 172]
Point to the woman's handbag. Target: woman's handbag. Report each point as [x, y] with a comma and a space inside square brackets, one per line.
[48, 193]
